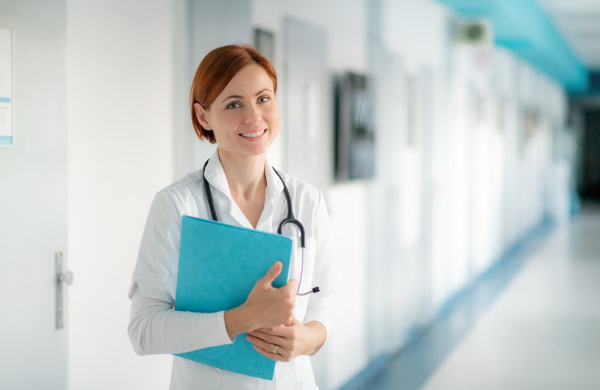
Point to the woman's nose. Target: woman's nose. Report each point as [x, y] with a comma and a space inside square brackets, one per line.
[253, 114]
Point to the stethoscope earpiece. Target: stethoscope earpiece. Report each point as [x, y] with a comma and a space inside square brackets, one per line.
[314, 290]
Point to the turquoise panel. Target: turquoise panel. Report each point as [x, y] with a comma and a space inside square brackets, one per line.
[524, 28]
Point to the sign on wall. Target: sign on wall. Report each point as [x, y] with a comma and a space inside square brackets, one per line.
[6, 99]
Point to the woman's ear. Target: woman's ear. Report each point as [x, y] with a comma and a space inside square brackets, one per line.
[201, 115]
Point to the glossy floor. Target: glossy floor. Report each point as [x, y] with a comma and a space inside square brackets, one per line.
[533, 323]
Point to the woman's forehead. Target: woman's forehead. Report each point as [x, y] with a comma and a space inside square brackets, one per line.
[249, 80]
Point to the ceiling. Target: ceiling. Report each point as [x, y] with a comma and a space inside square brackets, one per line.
[578, 21]
[559, 37]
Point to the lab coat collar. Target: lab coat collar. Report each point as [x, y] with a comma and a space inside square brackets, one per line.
[215, 175]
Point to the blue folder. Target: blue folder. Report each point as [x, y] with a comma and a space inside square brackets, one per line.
[219, 265]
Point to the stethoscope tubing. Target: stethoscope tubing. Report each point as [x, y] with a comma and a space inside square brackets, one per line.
[289, 219]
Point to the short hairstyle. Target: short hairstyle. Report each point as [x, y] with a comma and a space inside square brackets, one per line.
[216, 71]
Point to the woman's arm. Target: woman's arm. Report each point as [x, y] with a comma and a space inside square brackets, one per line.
[156, 328]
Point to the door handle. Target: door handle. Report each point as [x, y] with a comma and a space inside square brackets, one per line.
[62, 278]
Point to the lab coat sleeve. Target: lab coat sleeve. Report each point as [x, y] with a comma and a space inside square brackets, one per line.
[320, 309]
[327, 274]
[154, 326]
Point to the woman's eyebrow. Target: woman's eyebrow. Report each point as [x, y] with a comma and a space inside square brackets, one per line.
[241, 97]
[232, 97]
[263, 90]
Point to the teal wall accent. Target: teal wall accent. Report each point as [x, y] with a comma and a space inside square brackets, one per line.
[523, 27]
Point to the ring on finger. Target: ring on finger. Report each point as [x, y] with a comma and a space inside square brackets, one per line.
[275, 349]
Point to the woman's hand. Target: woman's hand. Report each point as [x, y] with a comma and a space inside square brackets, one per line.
[265, 307]
[284, 343]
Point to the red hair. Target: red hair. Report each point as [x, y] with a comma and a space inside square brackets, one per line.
[216, 71]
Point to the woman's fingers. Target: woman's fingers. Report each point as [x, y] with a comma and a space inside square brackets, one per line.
[268, 337]
[271, 306]
[284, 337]
[292, 284]
[281, 332]
[291, 341]
[273, 356]
[270, 350]
[266, 345]
[272, 274]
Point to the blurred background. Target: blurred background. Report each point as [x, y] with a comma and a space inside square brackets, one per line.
[444, 134]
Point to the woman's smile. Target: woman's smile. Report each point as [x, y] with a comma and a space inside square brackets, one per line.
[254, 135]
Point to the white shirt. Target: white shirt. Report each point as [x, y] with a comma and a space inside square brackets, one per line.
[156, 328]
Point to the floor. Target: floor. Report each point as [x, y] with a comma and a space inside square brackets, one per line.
[532, 323]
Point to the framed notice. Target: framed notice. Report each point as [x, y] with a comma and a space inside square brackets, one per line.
[354, 130]
[6, 89]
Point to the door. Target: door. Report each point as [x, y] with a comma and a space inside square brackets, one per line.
[33, 199]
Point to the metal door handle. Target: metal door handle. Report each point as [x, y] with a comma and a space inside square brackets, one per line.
[67, 278]
[61, 278]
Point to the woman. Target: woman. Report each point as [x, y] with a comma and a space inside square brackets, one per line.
[233, 105]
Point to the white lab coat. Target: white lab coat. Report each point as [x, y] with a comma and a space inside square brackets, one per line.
[156, 328]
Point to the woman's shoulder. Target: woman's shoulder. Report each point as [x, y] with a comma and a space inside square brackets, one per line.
[185, 184]
[183, 193]
[182, 197]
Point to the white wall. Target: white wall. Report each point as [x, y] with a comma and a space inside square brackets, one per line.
[120, 152]
[417, 29]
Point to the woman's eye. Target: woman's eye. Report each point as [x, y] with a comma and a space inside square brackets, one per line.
[233, 105]
[263, 99]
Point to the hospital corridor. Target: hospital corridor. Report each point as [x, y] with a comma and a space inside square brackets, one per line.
[532, 324]
[292, 195]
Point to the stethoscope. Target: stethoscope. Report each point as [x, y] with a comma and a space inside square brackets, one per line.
[289, 219]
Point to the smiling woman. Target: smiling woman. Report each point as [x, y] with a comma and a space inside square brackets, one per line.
[244, 118]
[216, 71]
[233, 104]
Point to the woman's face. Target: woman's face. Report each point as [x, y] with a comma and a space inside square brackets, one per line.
[245, 116]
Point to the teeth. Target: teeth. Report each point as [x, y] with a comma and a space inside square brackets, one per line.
[252, 135]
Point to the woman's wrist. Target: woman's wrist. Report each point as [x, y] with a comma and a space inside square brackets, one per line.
[238, 320]
[318, 335]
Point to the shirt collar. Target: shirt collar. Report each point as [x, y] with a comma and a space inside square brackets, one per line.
[215, 175]
[274, 184]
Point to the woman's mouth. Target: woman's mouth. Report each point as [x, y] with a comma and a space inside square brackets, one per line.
[253, 135]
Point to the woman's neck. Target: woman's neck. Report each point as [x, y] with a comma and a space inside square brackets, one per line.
[245, 174]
